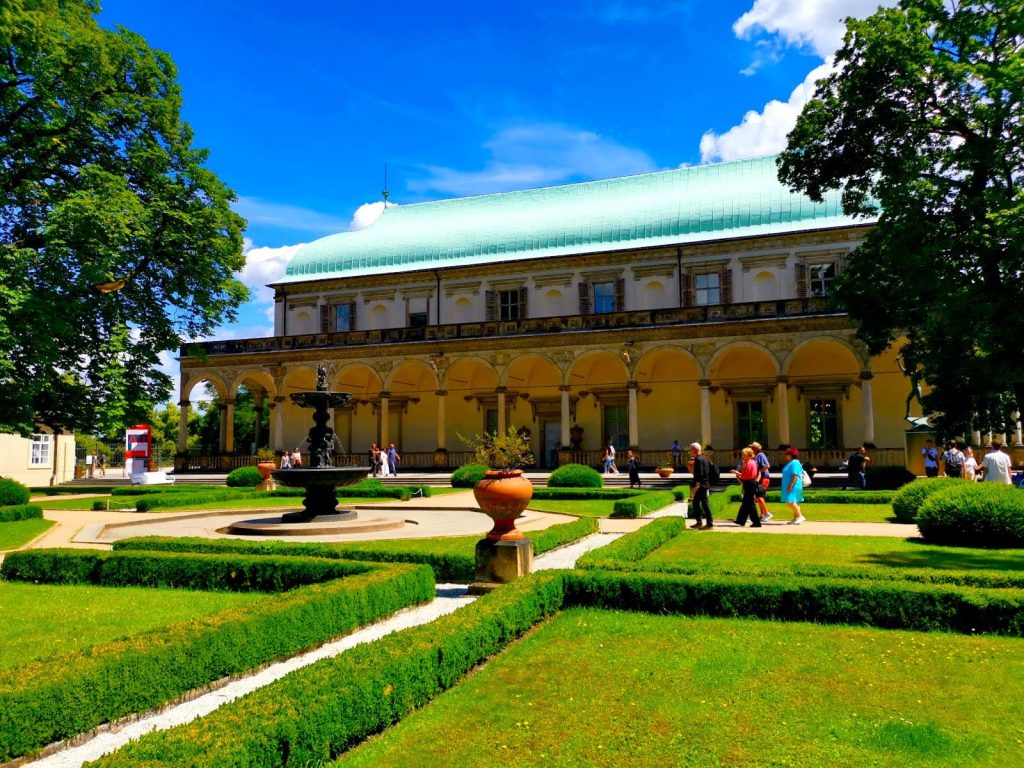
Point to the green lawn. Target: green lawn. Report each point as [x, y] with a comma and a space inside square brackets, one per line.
[576, 507]
[20, 532]
[694, 549]
[845, 513]
[670, 691]
[43, 620]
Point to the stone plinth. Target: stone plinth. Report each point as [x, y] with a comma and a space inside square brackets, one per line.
[499, 562]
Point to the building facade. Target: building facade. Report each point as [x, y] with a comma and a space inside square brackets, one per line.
[41, 459]
[690, 304]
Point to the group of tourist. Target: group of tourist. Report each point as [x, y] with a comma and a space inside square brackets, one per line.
[384, 461]
[958, 460]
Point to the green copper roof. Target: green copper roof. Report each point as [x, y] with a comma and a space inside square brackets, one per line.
[686, 205]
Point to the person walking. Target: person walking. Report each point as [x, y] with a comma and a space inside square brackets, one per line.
[995, 467]
[747, 477]
[296, 458]
[970, 465]
[101, 464]
[953, 460]
[393, 459]
[286, 460]
[677, 454]
[633, 467]
[931, 459]
[763, 481]
[856, 469]
[700, 486]
[793, 485]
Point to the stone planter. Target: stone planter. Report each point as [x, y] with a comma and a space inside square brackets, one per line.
[503, 496]
[265, 468]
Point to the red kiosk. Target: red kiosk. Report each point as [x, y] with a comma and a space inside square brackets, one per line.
[138, 453]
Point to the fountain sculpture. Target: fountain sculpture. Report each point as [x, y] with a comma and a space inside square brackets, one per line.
[321, 477]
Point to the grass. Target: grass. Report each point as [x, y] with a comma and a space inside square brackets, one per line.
[42, 620]
[575, 507]
[845, 513]
[20, 532]
[692, 549]
[664, 690]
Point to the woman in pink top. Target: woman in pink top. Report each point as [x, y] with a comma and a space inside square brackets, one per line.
[747, 475]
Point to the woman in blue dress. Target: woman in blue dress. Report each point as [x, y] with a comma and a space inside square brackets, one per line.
[793, 485]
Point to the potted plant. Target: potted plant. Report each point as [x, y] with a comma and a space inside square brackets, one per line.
[664, 469]
[265, 463]
[504, 492]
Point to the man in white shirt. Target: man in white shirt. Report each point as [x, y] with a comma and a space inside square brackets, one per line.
[996, 465]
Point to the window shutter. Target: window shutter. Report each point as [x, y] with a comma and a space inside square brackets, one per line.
[491, 310]
[352, 316]
[620, 295]
[584, 298]
[800, 271]
[726, 282]
[325, 318]
[522, 303]
[686, 289]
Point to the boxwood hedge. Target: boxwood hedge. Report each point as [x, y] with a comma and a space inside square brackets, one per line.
[243, 477]
[575, 476]
[638, 506]
[20, 512]
[908, 500]
[62, 697]
[585, 493]
[13, 493]
[973, 515]
[468, 475]
[826, 496]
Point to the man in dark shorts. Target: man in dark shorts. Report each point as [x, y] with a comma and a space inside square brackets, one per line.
[856, 469]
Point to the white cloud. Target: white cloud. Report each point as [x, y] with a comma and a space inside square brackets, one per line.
[538, 154]
[290, 217]
[366, 214]
[816, 24]
[262, 266]
[761, 133]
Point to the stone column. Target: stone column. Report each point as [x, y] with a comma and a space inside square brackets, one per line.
[501, 410]
[566, 426]
[1015, 417]
[384, 419]
[867, 406]
[782, 401]
[705, 411]
[975, 437]
[228, 420]
[183, 426]
[632, 415]
[276, 440]
[442, 427]
[257, 407]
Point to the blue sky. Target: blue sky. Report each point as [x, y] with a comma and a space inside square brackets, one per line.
[301, 104]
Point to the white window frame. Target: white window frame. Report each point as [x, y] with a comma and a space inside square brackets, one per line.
[39, 450]
[819, 281]
[702, 294]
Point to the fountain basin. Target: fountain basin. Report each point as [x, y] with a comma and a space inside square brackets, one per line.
[321, 500]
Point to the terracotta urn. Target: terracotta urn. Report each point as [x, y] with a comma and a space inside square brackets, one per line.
[502, 496]
[265, 468]
[664, 471]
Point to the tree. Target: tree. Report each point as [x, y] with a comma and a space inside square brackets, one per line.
[923, 119]
[115, 241]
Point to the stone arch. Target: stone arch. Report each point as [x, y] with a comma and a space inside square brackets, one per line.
[471, 403]
[357, 425]
[470, 372]
[668, 400]
[536, 378]
[602, 411]
[255, 379]
[743, 377]
[835, 348]
[823, 375]
[191, 381]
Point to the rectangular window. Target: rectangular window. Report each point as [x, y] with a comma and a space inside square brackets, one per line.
[707, 289]
[40, 454]
[615, 428]
[417, 319]
[823, 424]
[820, 277]
[508, 305]
[490, 421]
[604, 297]
[343, 317]
[750, 427]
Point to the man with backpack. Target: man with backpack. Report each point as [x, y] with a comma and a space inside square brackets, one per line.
[700, 486]
[953, 460]
[856, 469]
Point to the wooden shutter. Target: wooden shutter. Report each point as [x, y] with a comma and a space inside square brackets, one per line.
[584, 298]
[491, 308]
[352, 316]
[800, 272]
[522, 303]
[725, 279]
[686, 289]
[325, 318]
[620, 295]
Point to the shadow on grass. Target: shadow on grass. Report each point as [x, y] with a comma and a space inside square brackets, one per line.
[931, 556]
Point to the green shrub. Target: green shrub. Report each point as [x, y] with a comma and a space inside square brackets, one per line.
[101, 505]
[888, 478]
[244, 477]
[635, 546]
[562, 494]
[62, 697]
[13, 493]
[344, 699]
[825, 496]
[153, 490]
[908, 500]
[166, 500]
[575, 476]
[643, 504]
[974, 515]
[562, 534]
[20, 512]
[468, 475]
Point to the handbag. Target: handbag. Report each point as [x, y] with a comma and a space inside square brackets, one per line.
[765, 482]
[805, 479]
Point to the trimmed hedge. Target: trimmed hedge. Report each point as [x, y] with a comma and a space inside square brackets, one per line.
[20, 512]
[468, 475]
[888, 477]
[826, 496]
[357, 491]
[642, 504]
[973, 515]
[13, 493]
[166, 500]
[151, 490]
[563, 494]
[243, 477]
[635, 546]
[575, 476]
[564, 533]
[908, 500]
[62, 697]
[317, 712]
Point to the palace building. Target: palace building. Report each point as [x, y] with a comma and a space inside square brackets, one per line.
[689, 304]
